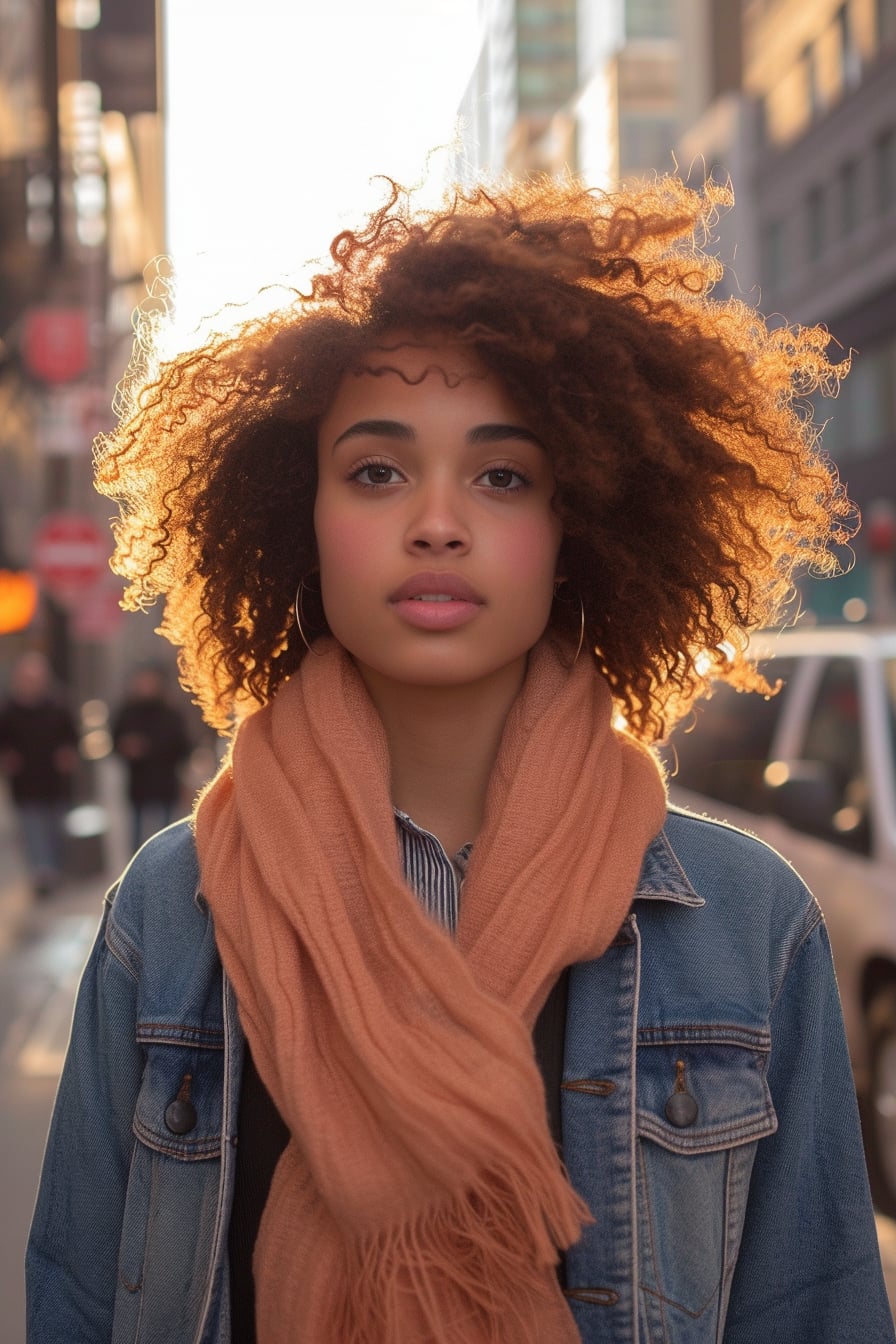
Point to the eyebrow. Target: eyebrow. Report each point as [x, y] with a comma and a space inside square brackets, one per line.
[383, 429]
[397, 429]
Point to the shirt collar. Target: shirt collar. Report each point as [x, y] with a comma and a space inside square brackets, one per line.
[461, 859]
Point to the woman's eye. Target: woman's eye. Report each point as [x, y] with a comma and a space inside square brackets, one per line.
[376, 473]
[503, 478]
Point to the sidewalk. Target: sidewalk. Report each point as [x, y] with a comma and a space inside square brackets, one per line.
[43, 946]
[110, 850]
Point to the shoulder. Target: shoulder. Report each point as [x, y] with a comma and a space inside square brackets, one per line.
[723, 863]
[156, 906]
[722, 908]
[160, 929]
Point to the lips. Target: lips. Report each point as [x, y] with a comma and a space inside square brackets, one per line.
[436, 588]
[436, 603]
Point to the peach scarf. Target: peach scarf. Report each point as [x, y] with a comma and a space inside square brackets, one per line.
[420, 1198]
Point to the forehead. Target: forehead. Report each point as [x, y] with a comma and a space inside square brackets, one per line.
[405, 377]
[415, 357]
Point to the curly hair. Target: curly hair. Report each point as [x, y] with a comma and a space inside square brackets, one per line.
[689, 477]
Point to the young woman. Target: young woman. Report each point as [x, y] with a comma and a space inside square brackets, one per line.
[435, 1024]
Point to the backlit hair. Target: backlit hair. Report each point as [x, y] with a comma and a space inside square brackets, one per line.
[690, 481]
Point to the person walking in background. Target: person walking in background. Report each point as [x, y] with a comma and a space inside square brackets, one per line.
[150, 735]
[38, 755]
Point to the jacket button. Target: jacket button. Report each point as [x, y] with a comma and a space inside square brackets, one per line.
[180, 1116]
[681, 1110]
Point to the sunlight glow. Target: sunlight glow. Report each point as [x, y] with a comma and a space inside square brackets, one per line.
[276, 124]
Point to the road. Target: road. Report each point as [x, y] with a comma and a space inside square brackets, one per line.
[42, 950]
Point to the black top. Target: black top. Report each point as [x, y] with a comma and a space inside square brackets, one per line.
[31, 737]
[163, 743]
[263, 1136]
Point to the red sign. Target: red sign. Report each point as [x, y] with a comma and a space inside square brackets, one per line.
[54, 345]
[98, 614]
[69, 554]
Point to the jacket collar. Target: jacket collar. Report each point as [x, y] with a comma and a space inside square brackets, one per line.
[662, 876]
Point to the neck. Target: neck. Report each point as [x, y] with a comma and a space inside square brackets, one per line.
[443, 742]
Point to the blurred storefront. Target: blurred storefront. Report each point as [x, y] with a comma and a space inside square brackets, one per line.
[81, 209]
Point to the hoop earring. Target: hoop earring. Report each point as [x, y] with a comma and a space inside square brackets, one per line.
[299, 610]
[581, 629]
[581, 618]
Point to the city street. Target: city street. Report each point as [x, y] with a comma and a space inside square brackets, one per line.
[42, 950]
[43, 947]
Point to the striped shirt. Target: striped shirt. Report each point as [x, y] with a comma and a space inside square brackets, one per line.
[436, 878]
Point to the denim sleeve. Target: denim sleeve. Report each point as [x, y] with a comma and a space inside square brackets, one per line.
[71, 1261]
[809, 1270]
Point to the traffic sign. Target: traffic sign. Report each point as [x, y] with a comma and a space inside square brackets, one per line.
[55, 344]
[69, 554]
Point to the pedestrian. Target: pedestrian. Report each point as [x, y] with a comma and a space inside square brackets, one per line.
[38, 756]
[437, 1023]
[151, 737]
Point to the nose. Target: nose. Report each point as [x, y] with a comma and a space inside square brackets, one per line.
[438, 521]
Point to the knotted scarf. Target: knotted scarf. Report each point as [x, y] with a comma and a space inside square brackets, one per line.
[420, 1198]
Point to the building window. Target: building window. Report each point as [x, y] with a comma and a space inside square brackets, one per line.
[848, 192]
[870, 385]
[885, 170]
[646, 143]
[850, 61]
[885, 22]
[816, 223]
[649, 18]
[810, 81]
[78, 13]
[863, 417]
[772, 252]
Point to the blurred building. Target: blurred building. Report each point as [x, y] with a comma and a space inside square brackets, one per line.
[627, 104]
[516, 113]
[717, 130]
[807, 133]
[794, 101]
[80, 216]
[573, 84]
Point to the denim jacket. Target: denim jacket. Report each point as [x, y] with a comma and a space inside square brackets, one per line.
[744, 1218]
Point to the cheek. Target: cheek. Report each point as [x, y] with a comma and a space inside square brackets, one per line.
[342, 544]
[532, 548]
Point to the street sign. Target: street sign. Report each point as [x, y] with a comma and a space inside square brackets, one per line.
[69, 555]
[55, 345]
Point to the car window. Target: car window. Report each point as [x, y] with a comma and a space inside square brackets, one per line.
[725, 753]
[832, 748]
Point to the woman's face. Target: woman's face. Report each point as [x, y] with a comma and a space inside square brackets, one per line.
[436, 535]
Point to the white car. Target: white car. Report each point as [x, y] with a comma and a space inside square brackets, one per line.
[812, 770]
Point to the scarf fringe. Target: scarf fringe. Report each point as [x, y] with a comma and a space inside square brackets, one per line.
[481, 1266]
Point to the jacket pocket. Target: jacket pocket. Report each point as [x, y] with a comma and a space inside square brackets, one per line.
[180, 1105]
[172, 1197]
[703, 1104]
